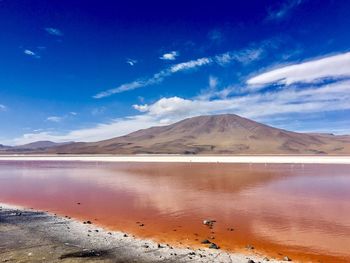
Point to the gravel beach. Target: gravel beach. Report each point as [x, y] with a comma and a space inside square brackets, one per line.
[27, 235]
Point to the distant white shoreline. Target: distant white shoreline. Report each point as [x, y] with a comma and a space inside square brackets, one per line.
[277, 159]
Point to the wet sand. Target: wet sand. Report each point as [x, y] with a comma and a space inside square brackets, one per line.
[32, 236]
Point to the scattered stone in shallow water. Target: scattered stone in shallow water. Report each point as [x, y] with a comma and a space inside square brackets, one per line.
[286, 258]
[88, 222]
[209, 222]
[249, 247]
[125, 235]
[266, 259]
[205, 241]
[96, 230]
[214, 246]
[160, 246]
[250, 261]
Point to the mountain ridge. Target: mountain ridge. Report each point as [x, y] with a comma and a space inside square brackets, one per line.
[213, 134]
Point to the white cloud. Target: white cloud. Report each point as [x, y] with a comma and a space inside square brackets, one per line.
[131, 62]
[3, 107]
[211, 91]
[53, 31]
[54, 118]
[242, 56]
[283, 10]
[170, 56]
[31, 53]
[190, 65]
[330, 97]
[335, 66]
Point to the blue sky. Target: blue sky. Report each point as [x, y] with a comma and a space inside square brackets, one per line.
[91, 70]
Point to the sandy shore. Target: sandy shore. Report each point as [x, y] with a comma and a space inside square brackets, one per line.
[185, 159]
[27, 235]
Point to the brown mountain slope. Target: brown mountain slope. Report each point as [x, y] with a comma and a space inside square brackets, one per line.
[215, 134]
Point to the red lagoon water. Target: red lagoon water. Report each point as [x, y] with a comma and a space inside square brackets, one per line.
[302, 211]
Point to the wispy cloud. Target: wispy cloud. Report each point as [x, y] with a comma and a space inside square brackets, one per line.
[131, 62]
[212, 91]
[98, 110]
[215, 36]
[53, 31]
[170, 55]
[190, 65]
[156, 78]
[242, 56]
[336, 66]
[3, 107]
[283, 10]
[54, 118]
[31, 53]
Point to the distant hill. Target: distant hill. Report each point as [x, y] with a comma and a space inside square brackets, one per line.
[215, 134]
[34, 146]
[3, 147]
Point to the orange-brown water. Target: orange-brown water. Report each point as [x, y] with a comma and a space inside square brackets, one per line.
[302, 211]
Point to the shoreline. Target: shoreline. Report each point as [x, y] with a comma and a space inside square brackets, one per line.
[34, 236]
[262, 159]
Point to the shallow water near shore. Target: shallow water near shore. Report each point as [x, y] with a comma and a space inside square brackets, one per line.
[299, 211]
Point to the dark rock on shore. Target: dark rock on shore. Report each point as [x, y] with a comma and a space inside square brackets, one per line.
[85, 254]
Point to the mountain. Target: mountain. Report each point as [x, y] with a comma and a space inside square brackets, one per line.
[34, 146]
[214, 134]
[4, 147]
[38, 145]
